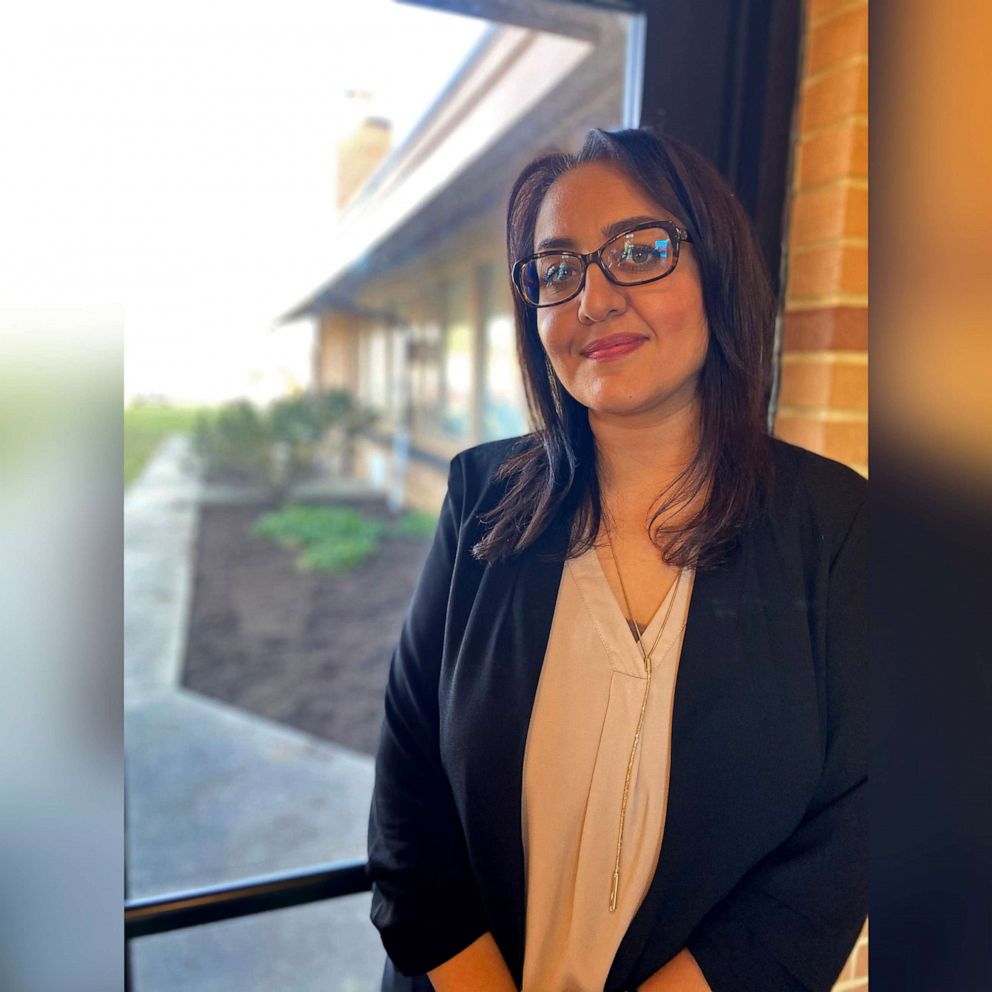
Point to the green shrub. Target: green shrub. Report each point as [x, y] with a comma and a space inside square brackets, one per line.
[276, 445]
[339, 555]
[294, 420]
[333, 405]
[298, 526]
[235, 438]
[328, 538]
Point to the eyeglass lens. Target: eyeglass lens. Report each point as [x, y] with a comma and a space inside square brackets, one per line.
[633, 257]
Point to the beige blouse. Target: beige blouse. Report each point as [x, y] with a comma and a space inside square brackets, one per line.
[578, 745]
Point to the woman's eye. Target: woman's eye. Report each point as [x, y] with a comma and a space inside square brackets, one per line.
[636, 254]
[557, 273]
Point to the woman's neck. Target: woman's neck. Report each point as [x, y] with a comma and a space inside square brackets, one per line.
[637, 458]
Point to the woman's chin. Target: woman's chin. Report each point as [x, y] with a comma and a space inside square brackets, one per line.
[612, 410]
[637, 408]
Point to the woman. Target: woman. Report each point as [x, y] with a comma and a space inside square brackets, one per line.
[549, 813]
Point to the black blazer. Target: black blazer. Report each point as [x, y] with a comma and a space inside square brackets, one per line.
[762, 873]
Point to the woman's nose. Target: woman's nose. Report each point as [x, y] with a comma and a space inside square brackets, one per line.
[600, 298]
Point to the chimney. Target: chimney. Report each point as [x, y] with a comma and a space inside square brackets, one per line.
[362, 151]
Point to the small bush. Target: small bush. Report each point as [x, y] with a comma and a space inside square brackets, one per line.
[329, 538]
[298, 526]
[279, 444]
[296, 419]
[333, 405]
[339, 555]
[235, 438]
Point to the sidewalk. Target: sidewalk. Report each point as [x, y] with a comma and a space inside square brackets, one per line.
[215, 794]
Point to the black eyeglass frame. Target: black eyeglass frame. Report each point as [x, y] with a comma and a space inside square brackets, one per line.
[677, 234]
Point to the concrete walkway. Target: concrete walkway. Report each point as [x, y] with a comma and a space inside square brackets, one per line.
[216, 794]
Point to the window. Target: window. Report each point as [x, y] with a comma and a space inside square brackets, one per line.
[425, 366]
[456, 415]
[237, 774]
[378, 355]
[504, 410]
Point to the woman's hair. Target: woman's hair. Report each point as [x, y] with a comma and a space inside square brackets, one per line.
[554, 473]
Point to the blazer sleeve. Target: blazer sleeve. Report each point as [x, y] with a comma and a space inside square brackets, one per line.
[425, 902]
[791, 922]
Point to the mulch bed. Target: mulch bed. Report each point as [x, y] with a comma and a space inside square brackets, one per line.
[308, 649]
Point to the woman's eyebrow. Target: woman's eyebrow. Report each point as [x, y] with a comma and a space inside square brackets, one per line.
[610, 231]
[566, 243]
[619, 226]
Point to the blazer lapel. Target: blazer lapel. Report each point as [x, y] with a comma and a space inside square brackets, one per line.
[708, 649]
[502, 654]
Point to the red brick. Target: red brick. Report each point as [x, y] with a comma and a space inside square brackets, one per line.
[837, 385]
[838, 211]
[837, 39]
[842, 328]
[828, 271]
[833, 97]
[816, 9]
[835, 154]
[861, 961]
[847, 442]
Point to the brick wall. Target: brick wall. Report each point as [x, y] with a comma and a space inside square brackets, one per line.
[854, 976]
[823, 399]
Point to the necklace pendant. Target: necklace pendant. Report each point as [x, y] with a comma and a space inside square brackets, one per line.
[614, 890]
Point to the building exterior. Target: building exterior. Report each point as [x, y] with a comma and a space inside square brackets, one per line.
[416, 320]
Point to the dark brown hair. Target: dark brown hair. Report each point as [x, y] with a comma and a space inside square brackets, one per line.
[554, 472]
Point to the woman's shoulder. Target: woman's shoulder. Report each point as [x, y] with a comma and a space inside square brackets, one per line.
[474, 482]
[482, 460]
[826, 492]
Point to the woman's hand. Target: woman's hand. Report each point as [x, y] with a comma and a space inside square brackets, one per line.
[480, 967]
[681, 974]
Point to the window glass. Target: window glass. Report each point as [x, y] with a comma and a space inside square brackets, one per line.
[321, 947]
[425, 362]
[458, 353]
[336, 247]
[379, 393]
[505, 406]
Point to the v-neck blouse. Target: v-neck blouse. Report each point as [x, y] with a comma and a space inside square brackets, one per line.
[581, 731]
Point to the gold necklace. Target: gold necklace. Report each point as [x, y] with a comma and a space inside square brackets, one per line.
[647, 656]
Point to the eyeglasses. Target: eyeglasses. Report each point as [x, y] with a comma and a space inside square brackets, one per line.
[643, 254]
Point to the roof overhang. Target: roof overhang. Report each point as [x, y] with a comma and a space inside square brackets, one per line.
[327, 299]
[509, 73]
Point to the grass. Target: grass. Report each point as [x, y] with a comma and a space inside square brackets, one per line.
[335, 539]
[144, 429]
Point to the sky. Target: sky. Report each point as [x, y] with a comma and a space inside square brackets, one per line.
[169, 167]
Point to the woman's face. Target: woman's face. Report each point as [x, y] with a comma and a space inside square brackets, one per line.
[620, 350]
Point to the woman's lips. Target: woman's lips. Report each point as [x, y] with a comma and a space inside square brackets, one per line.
[613, 346]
